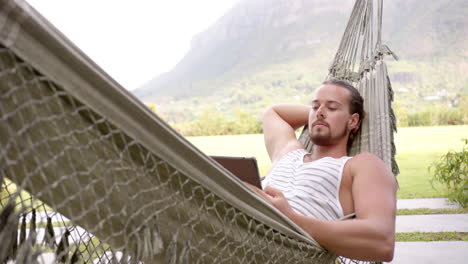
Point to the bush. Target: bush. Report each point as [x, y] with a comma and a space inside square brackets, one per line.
[452, 171]
[434, 116]
[401, 114]
[422, 118]
[212, 123]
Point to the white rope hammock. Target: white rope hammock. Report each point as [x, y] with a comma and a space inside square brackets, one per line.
[359, 60]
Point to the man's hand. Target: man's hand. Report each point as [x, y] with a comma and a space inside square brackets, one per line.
[275, 197]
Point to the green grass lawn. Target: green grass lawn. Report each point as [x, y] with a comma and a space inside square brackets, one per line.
[417, 148]
[432, 236]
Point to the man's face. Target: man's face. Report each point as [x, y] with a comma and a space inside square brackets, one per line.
[329, 116]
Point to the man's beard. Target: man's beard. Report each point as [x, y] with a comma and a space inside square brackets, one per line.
[325, 139]
[320, 140]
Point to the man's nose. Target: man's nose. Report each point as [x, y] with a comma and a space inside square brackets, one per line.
[320, 113]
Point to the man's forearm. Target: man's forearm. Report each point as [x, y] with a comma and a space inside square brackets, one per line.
[361, 239]
[296, 115]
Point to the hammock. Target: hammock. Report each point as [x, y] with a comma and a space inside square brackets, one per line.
[359, 60]
[90, 175]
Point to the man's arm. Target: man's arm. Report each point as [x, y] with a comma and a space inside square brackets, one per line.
[279, 125]
[371, 235]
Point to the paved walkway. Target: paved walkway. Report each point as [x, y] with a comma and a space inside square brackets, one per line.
[76, 234]
[432, 223]
[437, 252]
[447, 252]
[432, 203]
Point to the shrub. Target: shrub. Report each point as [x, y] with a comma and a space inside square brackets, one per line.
[448, 116]
[422, 118]
[401, 113]
[212, 123]
[452, 171]
[434, 116]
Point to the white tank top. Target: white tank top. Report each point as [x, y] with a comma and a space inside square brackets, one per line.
[311, 188]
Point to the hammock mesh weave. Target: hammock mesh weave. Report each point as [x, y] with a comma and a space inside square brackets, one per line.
[90, 175]
[83, 167]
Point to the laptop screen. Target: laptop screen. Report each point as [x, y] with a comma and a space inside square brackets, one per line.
[245, 168]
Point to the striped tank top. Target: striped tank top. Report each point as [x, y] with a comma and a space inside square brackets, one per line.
[311, 188]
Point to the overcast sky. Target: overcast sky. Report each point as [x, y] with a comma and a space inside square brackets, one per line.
[135, 40]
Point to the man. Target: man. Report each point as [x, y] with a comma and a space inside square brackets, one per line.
[316, 189]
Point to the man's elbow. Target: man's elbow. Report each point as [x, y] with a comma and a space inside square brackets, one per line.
[387, 248]
[388, 254]
[268, 112]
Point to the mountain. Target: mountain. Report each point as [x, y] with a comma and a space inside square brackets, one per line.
[252, 34]
[274, 45]
[424, 29]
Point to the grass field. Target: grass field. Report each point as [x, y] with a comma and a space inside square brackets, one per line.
[417, 148]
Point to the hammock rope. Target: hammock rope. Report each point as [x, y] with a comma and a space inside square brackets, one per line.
[359, 60]
[90, 175]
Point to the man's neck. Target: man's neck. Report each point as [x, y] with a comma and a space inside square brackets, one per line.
[318, 152]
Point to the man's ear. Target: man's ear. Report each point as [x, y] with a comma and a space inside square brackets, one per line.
[354, 122]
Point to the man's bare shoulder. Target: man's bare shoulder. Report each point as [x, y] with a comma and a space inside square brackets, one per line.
[373, 186]
[368, 163]
[365, 157]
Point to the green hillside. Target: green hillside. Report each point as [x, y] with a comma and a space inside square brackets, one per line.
[264, 52]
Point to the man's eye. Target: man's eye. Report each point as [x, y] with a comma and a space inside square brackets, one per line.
[314, 107]
[332, 108]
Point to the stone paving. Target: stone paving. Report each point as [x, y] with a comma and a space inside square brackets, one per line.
[437, 252]
[432, 223]
[431, 203]
[447, 252]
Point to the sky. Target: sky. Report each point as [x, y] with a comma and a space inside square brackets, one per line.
[133, 41]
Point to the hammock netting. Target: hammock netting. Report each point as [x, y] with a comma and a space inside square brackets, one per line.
[90, 175]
